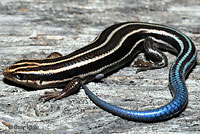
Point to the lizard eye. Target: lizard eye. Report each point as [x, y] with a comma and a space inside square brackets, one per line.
[19, 76]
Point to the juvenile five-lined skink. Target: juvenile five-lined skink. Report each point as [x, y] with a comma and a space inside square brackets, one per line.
[116, 46]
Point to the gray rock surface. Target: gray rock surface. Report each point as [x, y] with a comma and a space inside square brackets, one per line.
[36, 28]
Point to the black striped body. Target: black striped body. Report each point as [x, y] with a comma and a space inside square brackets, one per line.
[115, 46]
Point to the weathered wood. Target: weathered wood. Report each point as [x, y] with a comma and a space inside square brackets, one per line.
[35, 28]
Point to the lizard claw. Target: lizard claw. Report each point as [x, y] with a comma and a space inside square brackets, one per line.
[51, 95]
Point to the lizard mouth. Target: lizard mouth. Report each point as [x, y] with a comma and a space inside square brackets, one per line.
[7, 74]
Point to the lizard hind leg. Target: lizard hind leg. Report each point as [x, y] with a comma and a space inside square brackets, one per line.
[156, 58]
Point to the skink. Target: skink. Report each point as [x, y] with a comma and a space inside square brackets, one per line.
[116, 46]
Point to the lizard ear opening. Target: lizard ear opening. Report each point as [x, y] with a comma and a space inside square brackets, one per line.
[99, 76]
